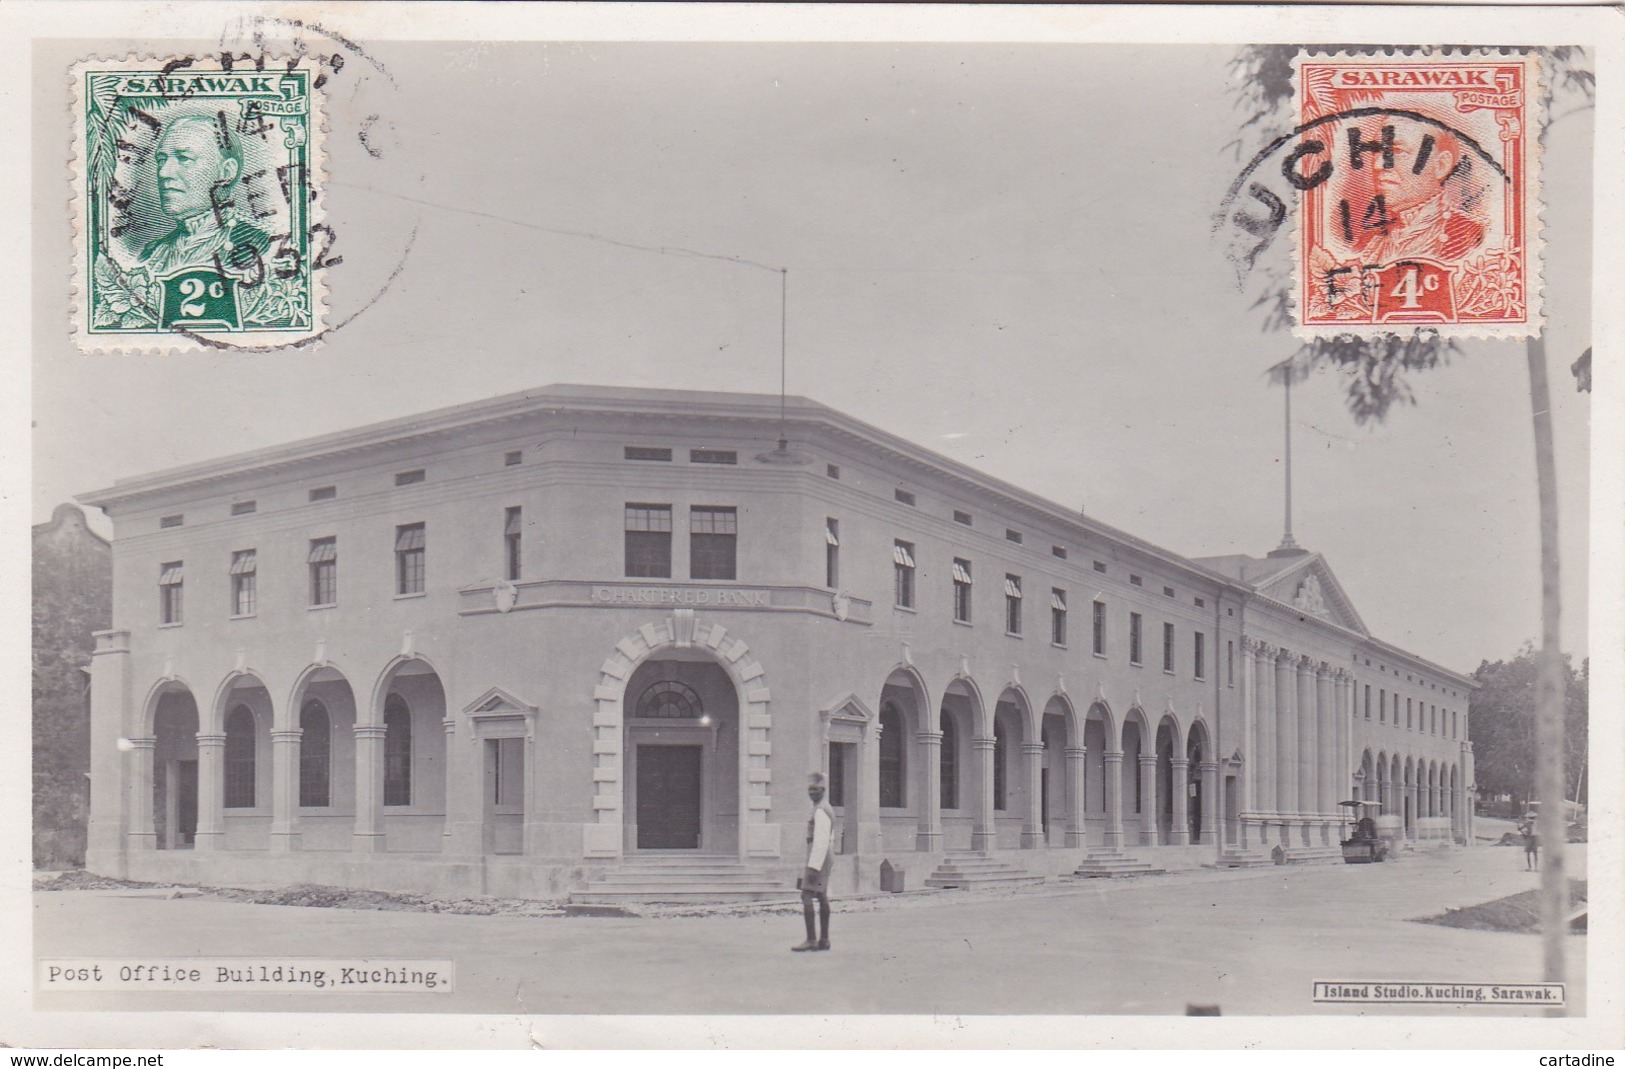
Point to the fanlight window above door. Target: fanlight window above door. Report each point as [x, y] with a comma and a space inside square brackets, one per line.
[670, 700]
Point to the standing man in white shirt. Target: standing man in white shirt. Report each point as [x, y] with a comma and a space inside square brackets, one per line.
[820, 859]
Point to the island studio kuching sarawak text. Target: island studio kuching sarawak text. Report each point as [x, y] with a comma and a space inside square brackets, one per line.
[583, 640]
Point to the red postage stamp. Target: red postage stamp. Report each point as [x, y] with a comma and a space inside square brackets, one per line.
[1419, 183]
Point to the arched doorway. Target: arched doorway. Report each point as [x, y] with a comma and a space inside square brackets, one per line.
[960, 785]
[1137, 794]
[1056, 776]
[907, 820]
[1011, 789]
[1167, 790]
[682, 747]
[1196, 754]
[400, 769]
[324, 794]
[1099, 735]
[235, 795]
[175, 768]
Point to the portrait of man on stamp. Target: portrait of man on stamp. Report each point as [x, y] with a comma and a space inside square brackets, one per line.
[197, 165]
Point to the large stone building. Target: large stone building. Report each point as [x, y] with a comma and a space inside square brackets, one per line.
[588, 638]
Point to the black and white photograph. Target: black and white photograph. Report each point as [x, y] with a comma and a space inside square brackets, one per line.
[971, 522]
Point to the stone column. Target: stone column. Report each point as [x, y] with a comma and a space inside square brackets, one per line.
[1329, 758]
[1149, 818]
[867, 790]
[211, 772]
[1179, 791]
[1265, 742]
[1077, 833]
[1032, 832]
[1308, 740]
[142, 835]
[1210, 803]
[1249, 730]
[1113, 762]
[928, 835]
[115, 805]
[369, 789]
[285, 743]
[1286, 736]
[983, 832]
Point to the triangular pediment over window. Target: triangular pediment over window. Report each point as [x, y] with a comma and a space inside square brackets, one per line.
[1303, 581]
[498, 702]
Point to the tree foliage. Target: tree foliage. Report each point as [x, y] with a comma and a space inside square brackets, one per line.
[1502, 725]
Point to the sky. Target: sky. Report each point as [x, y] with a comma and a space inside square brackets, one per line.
[1001, 252]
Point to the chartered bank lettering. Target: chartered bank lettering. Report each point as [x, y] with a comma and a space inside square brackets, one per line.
[659, 595]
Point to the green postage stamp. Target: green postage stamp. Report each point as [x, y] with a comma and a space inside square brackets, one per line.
[196, 208]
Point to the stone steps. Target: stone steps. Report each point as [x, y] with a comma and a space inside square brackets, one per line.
[1110, 864]
[681, 880]
[970, 871]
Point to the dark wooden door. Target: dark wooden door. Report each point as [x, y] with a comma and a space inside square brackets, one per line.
[669, 797]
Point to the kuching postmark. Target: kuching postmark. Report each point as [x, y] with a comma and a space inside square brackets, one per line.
[196, 204]
[1418, 178]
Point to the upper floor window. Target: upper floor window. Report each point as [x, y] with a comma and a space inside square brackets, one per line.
[1135, 580]
[324, 571]
[648, 541]
[905, 497]
[1100, 628]
[323, 493]
[1167, 591]
[1012, 604]
[1012, 535]
[832, 470]
[1058, 552]
[1167, 647]
[513, 457]
[170, 578]
[713, 536]
[407, 478]
[409, 550]
[1408, 726]
[171, 521]
[243, 594]
[832, 552]
[1382, 707]
[1368, 701]
[1057, 616]
[902, 557]
[713, 456]
[244, 508]
[1199, 649]
[961, 516]
[1229, 663]
[962, 590]
[1100, 566]
[513, 537]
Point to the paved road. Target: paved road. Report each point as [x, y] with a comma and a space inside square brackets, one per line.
[1248, 941]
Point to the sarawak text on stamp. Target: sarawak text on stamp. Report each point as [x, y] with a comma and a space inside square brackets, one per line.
[1419, 196]
[196, 205]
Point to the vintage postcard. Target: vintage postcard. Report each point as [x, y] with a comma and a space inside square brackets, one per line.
[813, 526]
